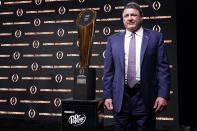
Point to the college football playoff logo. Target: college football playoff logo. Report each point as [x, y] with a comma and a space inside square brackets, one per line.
[14, 78]
[81, 1]
[107, 8]
[16, 55]
[36, 44]
[156, 5]
[31, 113]
[104, 54]
[38, 2]
[157, 28]
[106, 31]
[13, 101]
[57, 102]
[58, 78]
[33, 90]
[62, 10]
[18, 33]
[37, 22]
[19, 12]
[59, 55]
[60, 32]
[34, 67]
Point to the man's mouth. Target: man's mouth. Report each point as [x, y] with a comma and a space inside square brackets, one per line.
[132, 23]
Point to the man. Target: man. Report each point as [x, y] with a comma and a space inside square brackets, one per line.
[136, 74]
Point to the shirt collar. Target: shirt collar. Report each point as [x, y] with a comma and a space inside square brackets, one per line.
[139, 32]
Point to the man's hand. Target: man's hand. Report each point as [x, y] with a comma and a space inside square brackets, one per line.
[108, 104]
[160, 104]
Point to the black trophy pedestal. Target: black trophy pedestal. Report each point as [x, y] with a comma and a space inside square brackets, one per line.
[82, 115]
[84, 83]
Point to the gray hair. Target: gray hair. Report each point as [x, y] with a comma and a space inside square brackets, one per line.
[134, 6]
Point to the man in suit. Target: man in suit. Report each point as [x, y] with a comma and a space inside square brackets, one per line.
[136, 74]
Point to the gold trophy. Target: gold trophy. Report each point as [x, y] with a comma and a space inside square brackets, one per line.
[85, 24]
[85, 77]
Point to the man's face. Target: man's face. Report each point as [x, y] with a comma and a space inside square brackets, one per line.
[132, 19]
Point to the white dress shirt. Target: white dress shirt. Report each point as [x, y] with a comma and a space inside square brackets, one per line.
[138, 38]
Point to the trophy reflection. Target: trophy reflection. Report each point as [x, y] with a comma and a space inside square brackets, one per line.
[85, 77]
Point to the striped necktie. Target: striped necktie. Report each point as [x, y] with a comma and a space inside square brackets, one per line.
[131, 74]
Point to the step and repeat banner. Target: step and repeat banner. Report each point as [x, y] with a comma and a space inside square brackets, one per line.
[39, 51]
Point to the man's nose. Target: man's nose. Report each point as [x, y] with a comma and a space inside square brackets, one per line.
[130, 17]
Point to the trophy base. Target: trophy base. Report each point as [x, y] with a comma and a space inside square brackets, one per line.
[84, 83]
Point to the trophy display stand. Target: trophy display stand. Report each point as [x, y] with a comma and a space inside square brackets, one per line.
[83, 112]
[84, 83]
[82, 115]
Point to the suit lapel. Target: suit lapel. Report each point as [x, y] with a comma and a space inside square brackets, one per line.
[122, 59]
[145, 40]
